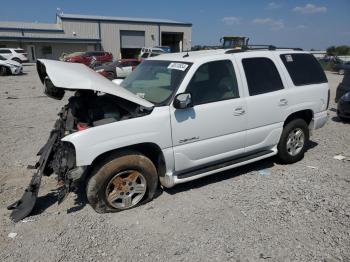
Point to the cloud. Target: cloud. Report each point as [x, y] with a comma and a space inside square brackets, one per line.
[301, 27]
[273, 5]
[274, 24]
[310, 9]
[231, 20]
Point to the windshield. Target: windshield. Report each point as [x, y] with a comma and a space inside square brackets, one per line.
[2, 58]
[156, 81]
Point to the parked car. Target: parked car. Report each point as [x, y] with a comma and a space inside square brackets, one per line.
[176, 118]
[15, 54]
[156, 49]
[344, 86]
[118, 69]
[343, 95]
[86, 57]
[8, 66]
[146, 55]
[340, 67]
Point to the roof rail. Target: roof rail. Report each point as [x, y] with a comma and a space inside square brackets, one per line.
[260, 47]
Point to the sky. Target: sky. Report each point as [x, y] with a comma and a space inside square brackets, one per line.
[307, 24]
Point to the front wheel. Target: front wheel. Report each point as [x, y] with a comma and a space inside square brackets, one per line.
[3, 71]
[122, 182]
[293, 141]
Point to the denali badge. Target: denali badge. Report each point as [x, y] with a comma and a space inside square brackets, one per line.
[188, 139]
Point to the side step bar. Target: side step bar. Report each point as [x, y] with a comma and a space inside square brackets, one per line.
[223, 164]
[170, 179]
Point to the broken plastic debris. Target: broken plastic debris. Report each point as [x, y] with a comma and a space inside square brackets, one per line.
[27, 220]
[12, 235]
[341, 157]
[312, 167]
[264, 172]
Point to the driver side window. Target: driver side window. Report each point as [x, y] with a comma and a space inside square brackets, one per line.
[213, 81]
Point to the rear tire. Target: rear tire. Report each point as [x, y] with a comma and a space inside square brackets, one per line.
[3, 71]
[293, 141]
[123, 181]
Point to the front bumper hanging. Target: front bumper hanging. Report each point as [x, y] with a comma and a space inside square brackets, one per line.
[23, 207]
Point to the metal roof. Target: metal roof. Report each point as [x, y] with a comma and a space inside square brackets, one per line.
[29, 26]
[122, 19]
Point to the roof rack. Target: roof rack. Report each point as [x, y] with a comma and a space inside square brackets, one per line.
[260, 47]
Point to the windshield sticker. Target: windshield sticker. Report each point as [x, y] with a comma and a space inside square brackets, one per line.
[289, 58]
[178, 66]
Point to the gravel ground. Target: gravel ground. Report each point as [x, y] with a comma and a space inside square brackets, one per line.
[299, 212]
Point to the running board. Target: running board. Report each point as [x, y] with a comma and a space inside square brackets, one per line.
[169, 180]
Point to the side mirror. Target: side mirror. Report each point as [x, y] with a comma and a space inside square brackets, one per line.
[183, 101]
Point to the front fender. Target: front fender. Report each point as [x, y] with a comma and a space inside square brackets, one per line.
[92, 142]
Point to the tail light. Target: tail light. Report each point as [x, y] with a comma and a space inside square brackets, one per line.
[82, 126]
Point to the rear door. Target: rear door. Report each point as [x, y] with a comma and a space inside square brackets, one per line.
[267, 100]
[214, 128]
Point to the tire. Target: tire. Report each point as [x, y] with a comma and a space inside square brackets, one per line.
[122, 181]
[293, 141]
[17, 60]
[111, 76]
[3, 71]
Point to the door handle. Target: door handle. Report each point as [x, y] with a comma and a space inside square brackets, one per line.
[283, 102]
[239, 111]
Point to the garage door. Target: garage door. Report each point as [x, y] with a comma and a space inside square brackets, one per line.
[132, 39]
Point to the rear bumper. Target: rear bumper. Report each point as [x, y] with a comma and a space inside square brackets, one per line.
[319, 120]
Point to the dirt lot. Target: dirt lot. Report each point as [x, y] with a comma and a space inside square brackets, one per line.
[299, 212]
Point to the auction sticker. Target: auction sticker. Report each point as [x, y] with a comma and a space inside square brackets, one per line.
[289, 58]
[178, 66]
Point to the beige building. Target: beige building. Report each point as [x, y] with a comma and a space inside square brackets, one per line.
[122, 36]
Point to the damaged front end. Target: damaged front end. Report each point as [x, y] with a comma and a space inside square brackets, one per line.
[96, 101]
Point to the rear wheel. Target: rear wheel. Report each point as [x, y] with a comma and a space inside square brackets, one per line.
[293, 141]
[3, 71]
[122, 182]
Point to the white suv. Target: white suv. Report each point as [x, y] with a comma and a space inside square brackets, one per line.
[15, 54]
[176, 118]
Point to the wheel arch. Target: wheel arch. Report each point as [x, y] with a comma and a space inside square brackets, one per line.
[306, 114]
[150, 150]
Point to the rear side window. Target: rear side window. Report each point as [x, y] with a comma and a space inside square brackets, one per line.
[262, 76]
[19, 51]
[304, 69]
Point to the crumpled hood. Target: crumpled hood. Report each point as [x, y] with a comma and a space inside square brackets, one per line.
[74, 76]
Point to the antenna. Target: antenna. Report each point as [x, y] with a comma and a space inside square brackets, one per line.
[187, 54]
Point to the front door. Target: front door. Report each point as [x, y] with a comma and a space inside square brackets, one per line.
[214, 128]
[31, 53]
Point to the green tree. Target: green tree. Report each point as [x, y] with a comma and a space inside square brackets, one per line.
[342, 50]
[331, 50]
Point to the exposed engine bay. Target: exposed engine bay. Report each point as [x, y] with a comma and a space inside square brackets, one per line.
[87, 108]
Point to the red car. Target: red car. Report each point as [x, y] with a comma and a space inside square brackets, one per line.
[118, 69]
[86, 57]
